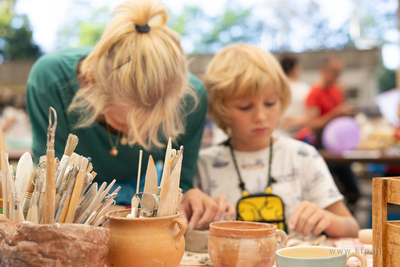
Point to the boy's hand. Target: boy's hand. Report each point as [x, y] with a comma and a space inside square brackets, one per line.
[309, 218]
[199, 209]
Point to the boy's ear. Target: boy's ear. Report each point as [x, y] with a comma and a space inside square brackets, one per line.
[90, 77]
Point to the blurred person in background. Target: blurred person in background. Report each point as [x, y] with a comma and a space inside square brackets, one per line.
[294, 118]
[324, 103]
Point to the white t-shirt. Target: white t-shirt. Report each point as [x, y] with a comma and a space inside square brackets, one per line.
[301, 174]
[300, 91]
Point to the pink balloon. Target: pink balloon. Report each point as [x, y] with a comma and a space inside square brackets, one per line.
[341, 134]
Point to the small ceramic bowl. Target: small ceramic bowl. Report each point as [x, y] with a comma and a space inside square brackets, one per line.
[197, 240]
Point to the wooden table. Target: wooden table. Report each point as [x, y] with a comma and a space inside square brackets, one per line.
[347, 244]
[367, 156]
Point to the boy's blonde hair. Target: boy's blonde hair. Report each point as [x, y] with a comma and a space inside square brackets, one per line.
[241, 71]
[145, 71]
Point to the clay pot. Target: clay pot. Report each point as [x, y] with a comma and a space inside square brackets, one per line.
[244, 243]
[155, 241]
[29, 244]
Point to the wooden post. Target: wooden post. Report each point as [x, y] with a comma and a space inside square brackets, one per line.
[3, 148]
[379, 221]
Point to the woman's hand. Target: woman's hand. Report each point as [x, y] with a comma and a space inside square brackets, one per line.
[199, 209]
[309, 218]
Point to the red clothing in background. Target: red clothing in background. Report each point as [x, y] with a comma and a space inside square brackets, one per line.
[325, 99]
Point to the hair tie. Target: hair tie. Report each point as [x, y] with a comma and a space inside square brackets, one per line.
[142, 29]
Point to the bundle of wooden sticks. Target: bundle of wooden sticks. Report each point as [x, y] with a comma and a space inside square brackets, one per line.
[55, 190]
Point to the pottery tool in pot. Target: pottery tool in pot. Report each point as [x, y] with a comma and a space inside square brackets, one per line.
[76, 193]
[62, 189]
[50, 192]
[66, 198]
[72, 142]
[4, 171]
[168, 154]
[86, 200]
[87, 213]
[150, 187]
[29, 191]
[170, 187]
[23, 175]
[134, 201]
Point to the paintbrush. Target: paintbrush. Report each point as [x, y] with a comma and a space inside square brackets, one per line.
[72, 142]
[31, 185]
[28, 195]
[50, 191]
[64, 203]
[61, 191]
[76, 193]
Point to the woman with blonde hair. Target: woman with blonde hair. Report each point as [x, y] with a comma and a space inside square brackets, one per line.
[132, 88]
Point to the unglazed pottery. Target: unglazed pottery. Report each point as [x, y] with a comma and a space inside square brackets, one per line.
[197, 240]
[315, 256]
[154, 241]
[69, 244]
[242, 243]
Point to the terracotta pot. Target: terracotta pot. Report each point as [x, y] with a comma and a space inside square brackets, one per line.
[243, 243]
[156, 241]
[68, 244]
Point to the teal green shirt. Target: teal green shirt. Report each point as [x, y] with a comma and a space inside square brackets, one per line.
[53, 82]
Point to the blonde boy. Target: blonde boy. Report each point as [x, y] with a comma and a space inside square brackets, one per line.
[248, 93]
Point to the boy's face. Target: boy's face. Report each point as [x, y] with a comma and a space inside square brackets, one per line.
[253, 120]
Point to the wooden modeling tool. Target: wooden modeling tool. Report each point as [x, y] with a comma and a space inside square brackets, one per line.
[50, 192]
[72, 142]
[92, 205]
[169, 191]
[4, 171]
[23, 175]
[11, 192]
[33, 211]
[151, 184]
[134, 201]
[87, 199]
[167, 158]
[104, 194]
[76, 193]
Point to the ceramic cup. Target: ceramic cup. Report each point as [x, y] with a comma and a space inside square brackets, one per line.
[243, 243]
[315, 256]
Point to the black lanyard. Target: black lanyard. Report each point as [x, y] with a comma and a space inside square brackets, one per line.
[242, 185]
